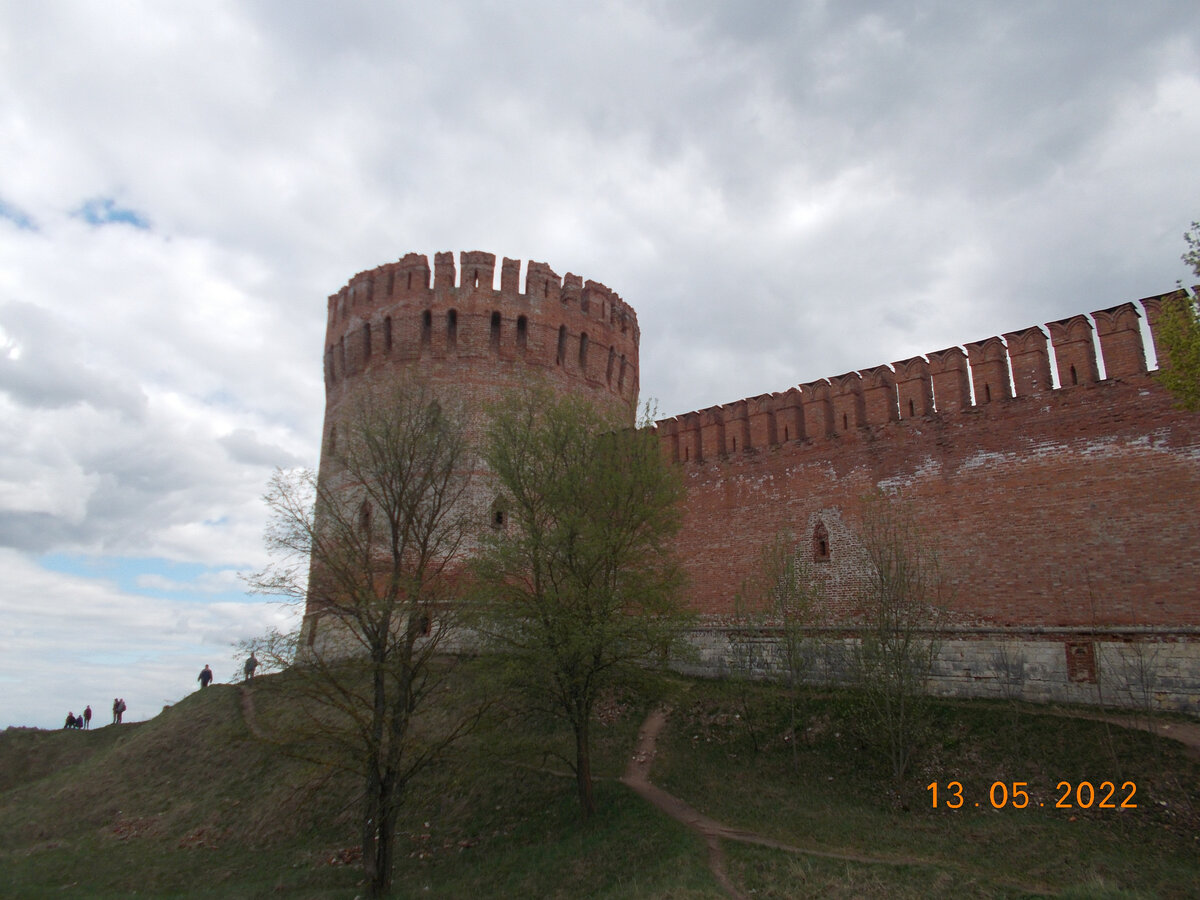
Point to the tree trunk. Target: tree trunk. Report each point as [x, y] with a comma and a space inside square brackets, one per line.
[583, 769]
[370, 824]
[376, 791]
[381, 881]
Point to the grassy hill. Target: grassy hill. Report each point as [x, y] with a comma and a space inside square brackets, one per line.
[194, 804]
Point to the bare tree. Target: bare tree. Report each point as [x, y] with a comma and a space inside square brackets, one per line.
[904, 609]
[373, 546]
[581, 582]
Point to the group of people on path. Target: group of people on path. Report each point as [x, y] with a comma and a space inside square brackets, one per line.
[205, 678]
[206, 674]
[85, 719]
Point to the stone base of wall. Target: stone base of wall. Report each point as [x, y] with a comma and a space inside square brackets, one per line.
[1151, 670]
[1156, 671]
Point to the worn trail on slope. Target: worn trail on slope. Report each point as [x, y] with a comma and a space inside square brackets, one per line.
[637, 777]
[248, 712]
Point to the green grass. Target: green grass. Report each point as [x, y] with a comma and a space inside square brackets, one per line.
[191, 804]
[836, 795]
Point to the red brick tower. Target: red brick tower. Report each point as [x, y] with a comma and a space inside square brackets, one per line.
[473, 342]
[464, 336]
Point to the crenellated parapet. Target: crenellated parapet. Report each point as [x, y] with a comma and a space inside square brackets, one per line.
[405, 313]
[954, 381]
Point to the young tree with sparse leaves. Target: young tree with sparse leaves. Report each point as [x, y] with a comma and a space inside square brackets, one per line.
[580, 583]
[1178, 336]
[374, 547]
[904, 609]
[783, 597]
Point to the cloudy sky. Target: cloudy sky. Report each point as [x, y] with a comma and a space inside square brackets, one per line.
[783, 191]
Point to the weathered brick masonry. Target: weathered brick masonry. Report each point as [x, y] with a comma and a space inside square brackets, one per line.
[1066, 510]
[1068, 518]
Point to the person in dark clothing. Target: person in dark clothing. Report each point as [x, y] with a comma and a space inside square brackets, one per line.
[70, 721]
[205, 677]
[87, 716]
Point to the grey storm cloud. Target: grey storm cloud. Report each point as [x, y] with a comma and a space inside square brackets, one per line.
[244, 446]
[43, 366]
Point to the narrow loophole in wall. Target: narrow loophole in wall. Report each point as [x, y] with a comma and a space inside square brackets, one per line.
[426, 327]
[786, 436]
[733, 445]
[332, 439]
[495, 332]
[845, 422]
[621, 376]
[562, 344]
[409, 287]
[1074, 377]
[366, 333]
[522, 332]
[912, 410]
[387, 334]
[583, 350]
[612, 357]
[391, 282]
[987, 393]
[820, 543]
[364, 517]
[452, 328]
[475, 279]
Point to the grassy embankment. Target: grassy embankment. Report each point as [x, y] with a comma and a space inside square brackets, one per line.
[192, 804]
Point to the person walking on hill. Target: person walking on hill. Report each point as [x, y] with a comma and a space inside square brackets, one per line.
[118, 710]
[205, 677]
[87, 716]
[251, 665]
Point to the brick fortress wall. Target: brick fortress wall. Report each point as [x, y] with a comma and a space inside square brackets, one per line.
[1065, 508]
[1066, 513]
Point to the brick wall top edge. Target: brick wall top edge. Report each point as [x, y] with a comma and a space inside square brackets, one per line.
[1075, 327]
[541, 284]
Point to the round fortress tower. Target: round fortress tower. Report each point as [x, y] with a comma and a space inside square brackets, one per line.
[459, 333]
[472, 342]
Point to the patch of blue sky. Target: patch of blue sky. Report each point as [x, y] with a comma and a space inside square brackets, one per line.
[17, 216]
[155, 577]
[104, 211]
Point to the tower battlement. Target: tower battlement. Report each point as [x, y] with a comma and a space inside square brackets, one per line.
[405, 311]
[465, 335]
